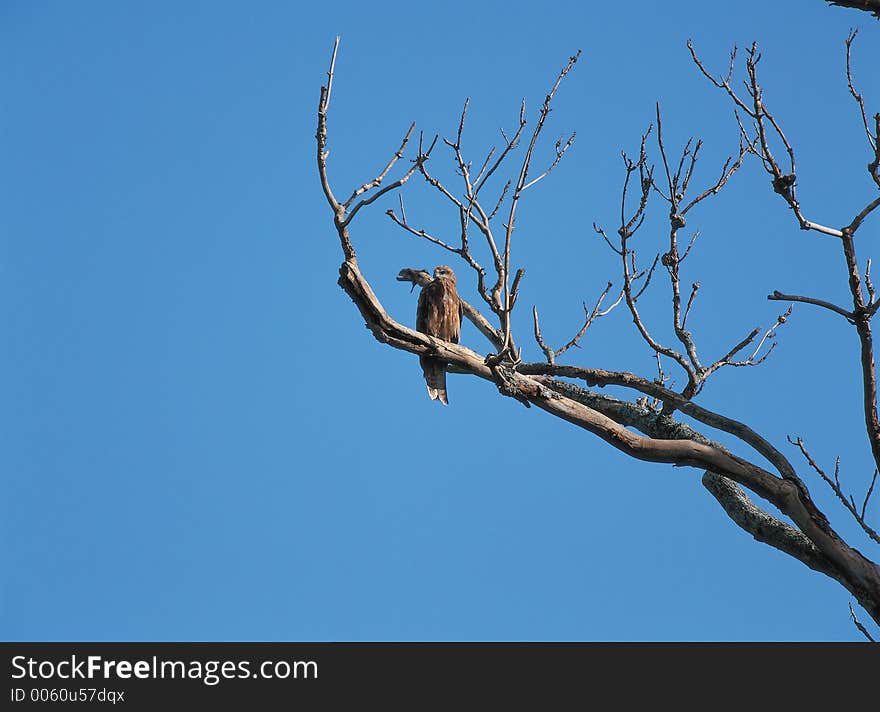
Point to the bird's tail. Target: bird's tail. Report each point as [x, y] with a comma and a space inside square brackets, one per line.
[435, 378]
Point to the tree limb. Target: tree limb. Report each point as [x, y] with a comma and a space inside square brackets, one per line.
[872, 6]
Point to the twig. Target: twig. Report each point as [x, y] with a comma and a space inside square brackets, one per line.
[601, 233]
[868, 494]
[647, 274]
[589, 317]
[687, 310]
[548, 352]
[872, 140]
[862, 629]
[860, 218]
[377, 181]
[420, 233]
[363, 202]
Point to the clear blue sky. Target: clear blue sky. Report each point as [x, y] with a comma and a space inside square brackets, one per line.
[200, 441]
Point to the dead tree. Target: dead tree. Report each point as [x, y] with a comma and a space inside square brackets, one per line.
[644, 427]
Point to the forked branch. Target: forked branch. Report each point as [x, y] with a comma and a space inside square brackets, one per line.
[590, 316]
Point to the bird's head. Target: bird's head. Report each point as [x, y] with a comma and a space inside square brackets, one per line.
[444, 272]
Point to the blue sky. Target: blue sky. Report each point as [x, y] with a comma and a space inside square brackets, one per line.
[200, 441]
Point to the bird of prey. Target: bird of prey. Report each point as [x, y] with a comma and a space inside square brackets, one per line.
[438, 314]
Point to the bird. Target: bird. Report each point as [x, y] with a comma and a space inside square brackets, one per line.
[438, 314]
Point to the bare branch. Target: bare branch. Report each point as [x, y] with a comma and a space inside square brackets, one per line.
[868, 494]
[330, 73]
[834, 484]
[872, 140]
[472, 212]
[421, 233]
[500, 200]
[872, 136]
[628, 227]
[321, 135]
[677, 185]
[514, 288]
[862, 629]
[736, 503]
[778, 296]
[560, 152]
[865, 212]
[646, 274]
[727, 170]
[601, 232]
[377, 181]
[872, 6]
[764, 527]
[783, 181]
[417, 163]
[520, 186]
[589, 317]
[753, 359]
[646, 175]
[485, 164]
[874, 166]
[548, 352]
[862, 313]
[694, 289]
[510, 145]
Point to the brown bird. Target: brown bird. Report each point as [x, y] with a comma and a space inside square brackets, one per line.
[439, 314]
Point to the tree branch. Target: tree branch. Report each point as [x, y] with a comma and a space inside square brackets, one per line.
[778, 296]
[590, 317]
[872, 6]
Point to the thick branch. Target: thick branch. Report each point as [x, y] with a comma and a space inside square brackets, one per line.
[736, 503]
[601, 378]
[766, 528]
